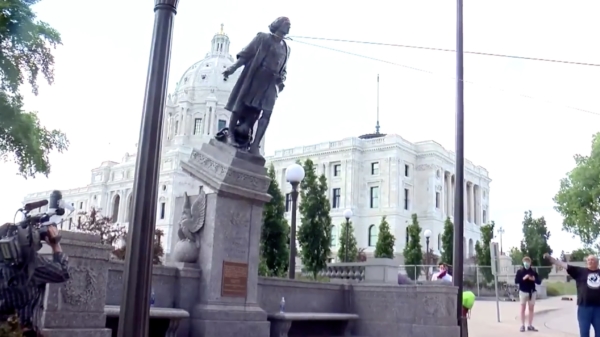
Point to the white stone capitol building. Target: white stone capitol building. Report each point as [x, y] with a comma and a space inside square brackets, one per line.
[375, 174]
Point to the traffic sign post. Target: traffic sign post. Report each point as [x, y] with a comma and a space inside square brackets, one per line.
[494, 258]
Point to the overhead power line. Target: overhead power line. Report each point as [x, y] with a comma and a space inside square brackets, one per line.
[447, 77]
[446, 50]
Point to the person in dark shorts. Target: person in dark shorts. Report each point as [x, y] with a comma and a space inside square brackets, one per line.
[587, 280]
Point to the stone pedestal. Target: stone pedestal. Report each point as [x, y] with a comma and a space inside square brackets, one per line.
[76, 308]
[236, 185]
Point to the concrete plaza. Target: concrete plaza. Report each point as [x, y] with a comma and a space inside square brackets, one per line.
[553, 318]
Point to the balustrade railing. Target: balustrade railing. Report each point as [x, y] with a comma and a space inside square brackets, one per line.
[345, 271]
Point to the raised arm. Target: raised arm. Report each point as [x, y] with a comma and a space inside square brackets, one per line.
[55, 270]
[555, 261]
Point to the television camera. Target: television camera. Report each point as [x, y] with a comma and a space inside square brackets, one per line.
[23, 239]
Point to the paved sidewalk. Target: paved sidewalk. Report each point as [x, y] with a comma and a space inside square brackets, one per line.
[483, 321]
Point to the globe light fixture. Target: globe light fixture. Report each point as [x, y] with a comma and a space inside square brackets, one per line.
[347, 213]
[427, 234]
[294, 175]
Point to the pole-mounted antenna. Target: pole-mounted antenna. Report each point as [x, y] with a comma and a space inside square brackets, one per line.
[377, 126]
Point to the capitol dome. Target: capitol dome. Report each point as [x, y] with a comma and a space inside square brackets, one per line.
[207, 73]
[195, 111]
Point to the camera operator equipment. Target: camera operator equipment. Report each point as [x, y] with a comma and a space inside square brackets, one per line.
[23, 272]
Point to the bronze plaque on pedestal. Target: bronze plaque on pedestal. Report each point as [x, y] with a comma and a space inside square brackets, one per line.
[235, 279]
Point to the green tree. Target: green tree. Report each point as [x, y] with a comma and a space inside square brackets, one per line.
[535, 243]
[581, 254]
[448, 242]
[314, 236]
[578, 199]
[413, 254]
[25, 52]
[482, 251]
[385, 241]
[275, 231]
[347, 236]
[516, 256]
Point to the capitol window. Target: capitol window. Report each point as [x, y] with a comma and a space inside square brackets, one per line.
[163, 207]
[437, 200]
[373, 235]
[197, 126]
[288, 202]
[335, 202]
[374, 197]
[222, 124]
[375, 168]
[337, 170]
[406, 170]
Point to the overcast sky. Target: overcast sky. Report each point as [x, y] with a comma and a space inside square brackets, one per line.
[526, 144]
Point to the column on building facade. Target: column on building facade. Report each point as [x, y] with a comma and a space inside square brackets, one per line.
[208, 122]
[453, 193]
[185, 116]
[347, 182]
[476, 203]
[466, 200]
[472, 203]
[122, 205]
[447, 189]
[388, 165]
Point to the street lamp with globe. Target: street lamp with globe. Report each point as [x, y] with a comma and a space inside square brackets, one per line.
[294, 175]
[427, 234]
[347, 215]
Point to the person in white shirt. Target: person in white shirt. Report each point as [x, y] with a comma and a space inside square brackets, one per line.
[443, 274]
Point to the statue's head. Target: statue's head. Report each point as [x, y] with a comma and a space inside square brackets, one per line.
[281, 26]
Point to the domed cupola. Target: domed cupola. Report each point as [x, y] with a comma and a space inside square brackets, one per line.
[220, 44]
[206, 75]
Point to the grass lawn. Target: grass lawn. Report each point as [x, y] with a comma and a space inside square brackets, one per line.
[560, 288]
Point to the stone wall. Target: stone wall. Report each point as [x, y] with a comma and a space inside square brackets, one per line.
[174, 287]
[385, 309]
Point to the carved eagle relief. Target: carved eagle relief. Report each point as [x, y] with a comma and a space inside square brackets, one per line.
[193, 217]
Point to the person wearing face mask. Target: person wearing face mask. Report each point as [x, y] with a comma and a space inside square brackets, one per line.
[587, 280]
[526, 278]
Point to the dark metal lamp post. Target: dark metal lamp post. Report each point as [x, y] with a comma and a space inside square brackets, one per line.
[135, 304]
[347, 215]
[294, 175]
[427, 235]
[459, 195]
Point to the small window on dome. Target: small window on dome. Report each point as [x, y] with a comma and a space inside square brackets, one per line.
[185, 80]
[224, 67]
[207, 65]
[203, 76]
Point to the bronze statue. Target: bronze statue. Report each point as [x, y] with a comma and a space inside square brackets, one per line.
[254, 94]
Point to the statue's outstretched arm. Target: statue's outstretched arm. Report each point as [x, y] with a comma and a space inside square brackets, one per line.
[248, 53]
